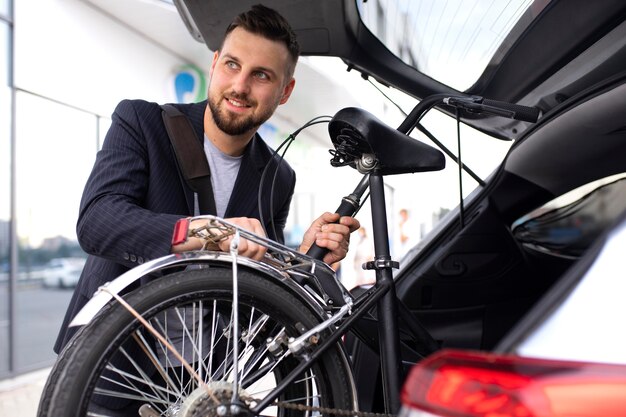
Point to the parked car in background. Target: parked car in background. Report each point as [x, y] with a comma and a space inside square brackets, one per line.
[62, 272]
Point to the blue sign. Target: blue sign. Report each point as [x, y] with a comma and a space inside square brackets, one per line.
[189, 84]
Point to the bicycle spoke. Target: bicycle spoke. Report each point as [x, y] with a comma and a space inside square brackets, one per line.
[129, 386]
[213, 342]
[201, 365]
[117, 394]
[168, 363]
[145, 389]
[195, 344]
[144, 378]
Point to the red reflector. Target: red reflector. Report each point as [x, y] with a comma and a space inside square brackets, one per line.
[181, 228]
[473, 384]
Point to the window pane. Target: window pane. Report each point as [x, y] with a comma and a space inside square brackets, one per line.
[54, 157]
[440, 37]
[5, 201]
[568, 225]
[5, 8]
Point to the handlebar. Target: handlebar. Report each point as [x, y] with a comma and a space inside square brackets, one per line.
[474, 104]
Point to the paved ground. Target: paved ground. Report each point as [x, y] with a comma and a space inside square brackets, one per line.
[19, 397]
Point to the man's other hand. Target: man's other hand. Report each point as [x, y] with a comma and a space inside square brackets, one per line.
[330, 232]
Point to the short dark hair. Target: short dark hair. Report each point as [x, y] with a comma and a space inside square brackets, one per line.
[270, 24]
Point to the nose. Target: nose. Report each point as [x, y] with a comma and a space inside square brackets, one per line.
[241, 83]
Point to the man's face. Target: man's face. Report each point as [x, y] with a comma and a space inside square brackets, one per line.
[248, 81]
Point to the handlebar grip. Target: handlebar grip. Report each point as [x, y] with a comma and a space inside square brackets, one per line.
[346, 208]
[523, 113]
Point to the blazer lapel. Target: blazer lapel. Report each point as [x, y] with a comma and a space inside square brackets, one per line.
[244, 199]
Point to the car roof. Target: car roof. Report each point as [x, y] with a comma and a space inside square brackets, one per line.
[530, 67]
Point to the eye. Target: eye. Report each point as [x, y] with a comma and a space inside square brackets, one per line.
[261, 75]
[232, 65]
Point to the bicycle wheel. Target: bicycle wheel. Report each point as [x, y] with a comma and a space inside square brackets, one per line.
[114, 366]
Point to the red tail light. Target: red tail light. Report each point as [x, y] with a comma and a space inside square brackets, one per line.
[468, 384]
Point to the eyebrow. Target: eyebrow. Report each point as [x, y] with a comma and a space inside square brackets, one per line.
[263, 69]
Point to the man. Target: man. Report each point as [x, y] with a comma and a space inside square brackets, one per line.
[135, 193]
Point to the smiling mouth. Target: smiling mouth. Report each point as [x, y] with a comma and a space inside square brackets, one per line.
[237, 103]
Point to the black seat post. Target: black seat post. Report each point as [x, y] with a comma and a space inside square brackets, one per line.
[387, 309]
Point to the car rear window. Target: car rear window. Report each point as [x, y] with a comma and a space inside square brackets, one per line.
[452, 42]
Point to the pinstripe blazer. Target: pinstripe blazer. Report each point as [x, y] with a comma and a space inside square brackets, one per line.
[135, 194]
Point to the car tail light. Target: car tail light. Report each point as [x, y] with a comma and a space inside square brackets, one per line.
[471, 384]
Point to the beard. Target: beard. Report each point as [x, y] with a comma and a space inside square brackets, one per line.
[233, 124]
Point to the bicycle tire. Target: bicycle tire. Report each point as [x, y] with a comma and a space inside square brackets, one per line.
[97, 361]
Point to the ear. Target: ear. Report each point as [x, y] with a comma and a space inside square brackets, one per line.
[216, 57]
[287, 91]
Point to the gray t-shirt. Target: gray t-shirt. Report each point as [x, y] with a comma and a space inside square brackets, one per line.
[224, 170]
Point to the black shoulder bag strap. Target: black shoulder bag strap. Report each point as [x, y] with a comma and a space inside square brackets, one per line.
[191, 158]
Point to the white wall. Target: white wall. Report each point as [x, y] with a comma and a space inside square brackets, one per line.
[69, 51]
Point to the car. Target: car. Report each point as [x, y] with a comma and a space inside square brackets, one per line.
[63, 272]
[496, 281]
[564, 358]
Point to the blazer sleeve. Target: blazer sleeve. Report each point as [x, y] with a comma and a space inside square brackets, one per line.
[133, 196]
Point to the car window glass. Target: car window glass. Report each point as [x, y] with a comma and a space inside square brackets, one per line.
[567, 226]
[440, 38]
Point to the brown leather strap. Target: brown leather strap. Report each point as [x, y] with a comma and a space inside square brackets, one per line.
[192, 161]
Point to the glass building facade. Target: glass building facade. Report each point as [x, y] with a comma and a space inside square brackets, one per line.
[6, 104]
[47, 149]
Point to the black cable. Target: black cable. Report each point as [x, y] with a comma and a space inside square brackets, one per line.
[451, 155]
[261, 181]
[282, 158]
[460, 165]
[388, 98]
[276, 158]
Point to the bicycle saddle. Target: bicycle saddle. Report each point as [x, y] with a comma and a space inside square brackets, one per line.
[355, 132]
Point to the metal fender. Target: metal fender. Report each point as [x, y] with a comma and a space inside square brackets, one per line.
[101, 298]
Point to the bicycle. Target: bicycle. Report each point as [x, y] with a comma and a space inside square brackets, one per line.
[215, 333]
